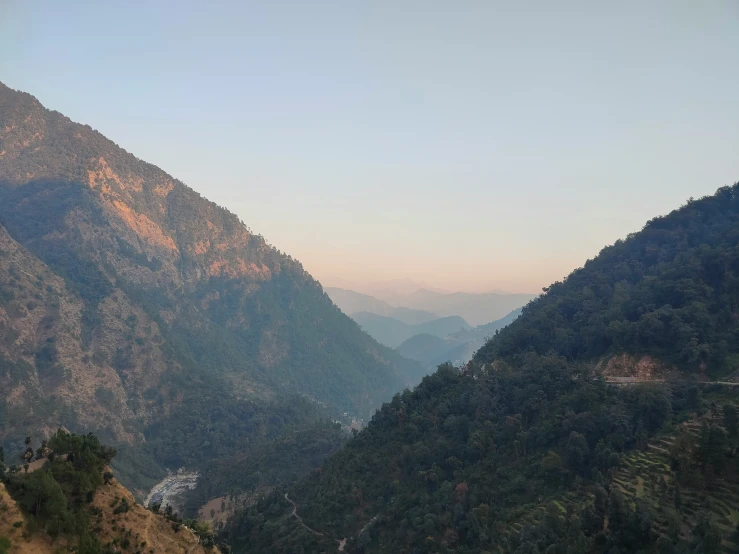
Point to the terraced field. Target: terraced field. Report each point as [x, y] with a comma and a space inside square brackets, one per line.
[647, 475]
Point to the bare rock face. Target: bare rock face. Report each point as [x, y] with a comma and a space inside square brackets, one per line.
[52, 376]
[625, 368]
[125, 293]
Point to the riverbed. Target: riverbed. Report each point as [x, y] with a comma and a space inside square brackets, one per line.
[169, 490]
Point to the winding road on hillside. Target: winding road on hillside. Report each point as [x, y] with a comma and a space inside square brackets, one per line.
[342, 542]
[615, 380]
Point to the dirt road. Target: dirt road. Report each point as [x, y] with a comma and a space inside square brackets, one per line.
[341, 542]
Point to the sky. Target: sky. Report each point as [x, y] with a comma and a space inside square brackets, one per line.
[474, 145]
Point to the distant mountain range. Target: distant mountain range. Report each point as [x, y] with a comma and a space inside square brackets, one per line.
[351, 302]
[475, 308]
[392, 332]
[458, 347]
[433, 330]
[424, 305]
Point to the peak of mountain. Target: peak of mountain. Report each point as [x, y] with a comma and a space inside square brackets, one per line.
[127, 296]
[536, 445]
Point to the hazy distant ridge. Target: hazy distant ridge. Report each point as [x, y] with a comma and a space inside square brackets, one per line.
[351, 302]
[475, 308]
[391, 332]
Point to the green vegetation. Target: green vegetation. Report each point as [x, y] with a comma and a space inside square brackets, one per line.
[55, 496]
[212, 428]
[457, 464]
[211, 333]
[528, 450]
[279, 461]
[669, 291]
[58, 498]
[215, 427]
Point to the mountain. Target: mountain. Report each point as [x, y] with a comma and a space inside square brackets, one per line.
[423, 346]
[351, 302]
[432, 351]
[457, 348]
[488, 330]
[475, 308]
[133, 307]
[396, 288]
[536, 446]
[424, 305]
[669, 292]
[391, 332]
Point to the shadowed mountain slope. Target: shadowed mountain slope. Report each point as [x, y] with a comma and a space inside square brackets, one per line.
[126, 295]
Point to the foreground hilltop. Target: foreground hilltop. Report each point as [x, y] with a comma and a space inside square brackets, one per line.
[125, 295]
[529, 449]
[71, 502]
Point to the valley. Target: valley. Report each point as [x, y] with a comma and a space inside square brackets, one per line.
[534, 344]
[559, 430]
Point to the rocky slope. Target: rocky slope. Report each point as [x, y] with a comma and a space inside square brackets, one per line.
[125, 293]
[149, 532]
[51, 377]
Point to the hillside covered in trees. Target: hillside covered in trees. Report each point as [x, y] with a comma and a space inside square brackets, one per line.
[135, 308]
[527, 449]
[670, 291]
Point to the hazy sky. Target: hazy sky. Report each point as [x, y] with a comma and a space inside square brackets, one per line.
[472, 145]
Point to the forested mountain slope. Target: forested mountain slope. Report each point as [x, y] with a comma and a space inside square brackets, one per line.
[528, 450]
[670, 291]
[126, 296]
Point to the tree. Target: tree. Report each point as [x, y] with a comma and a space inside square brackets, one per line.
[731, 421]
[551, 462]
[42, 497]
[706, 536]
[678, 497]
[711, 450]
[578, 452]
[665, 546]
[617, 510]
